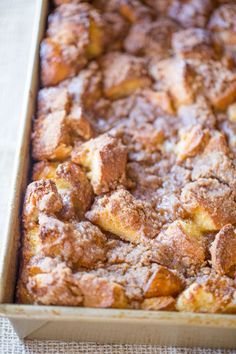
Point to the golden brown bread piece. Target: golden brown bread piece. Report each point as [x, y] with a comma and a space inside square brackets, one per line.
[194, 43]
[75, 34]
[210, 203]
[72, 185]
[49, 282]
[162, 303]
[99, 292]
[181, 246]
[163, 283]
[213, 294]
[223, 250]
[124, 216]
[51, 138]
[123, 75]
[175, 76]
[152, 39]
[105, 158]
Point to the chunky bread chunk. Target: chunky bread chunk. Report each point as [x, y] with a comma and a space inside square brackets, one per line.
[189, 13]
[194, 43]
[223, 250]
[199, 112]
[163, 283]
[53, 99]
[123, 75]
[181, 247]
[99, 292]
[105, 158]
[53, 285]
[120, 213]
[218, 83]
[75, 34]
[72, 185]
[222, 22]
[162, 303]
[41, 196]
[86, 87]
[51, 139]
[151, 38]
[212, 294]
[192, 141]
[210, 203]
[58, 62]
[79, 244]
[175, 76]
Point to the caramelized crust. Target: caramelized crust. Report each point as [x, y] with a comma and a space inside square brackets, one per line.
[210, 203]
[223, 250]
[124, 216]
[99, 292]
[55, 285]
[105, 158]
[123, 75]
[162, 303]
[72, 185]
[51, 139]
[181, 247]
[212, 294]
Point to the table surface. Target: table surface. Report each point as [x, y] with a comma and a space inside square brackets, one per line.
[16, 23]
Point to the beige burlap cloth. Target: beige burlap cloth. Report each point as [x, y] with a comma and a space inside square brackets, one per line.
[9, 343]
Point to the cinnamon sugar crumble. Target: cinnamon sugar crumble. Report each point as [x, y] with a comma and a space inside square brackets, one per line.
[132, 202]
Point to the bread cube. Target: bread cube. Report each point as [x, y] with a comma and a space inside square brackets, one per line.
[181, 247]
[194, 43]
[222, 22]
[80, 244]
[55, 285]
[75, 34]
[123, 75]
[99, 292]
[72, 185]
[41, 196]
[134, 10]
[120, 213]
[163, 282]
[162, 303]
[189, 13]
[162, 99]
[199, 112]
[218, 83]
[51, 139]
[211, 294]
[175, 76]
[105, 158]
[152, 39]
[210, 203]
[53, 99]
[79, 25]
[85, 88]
[223, 250]
[79, 124]
[192, 141]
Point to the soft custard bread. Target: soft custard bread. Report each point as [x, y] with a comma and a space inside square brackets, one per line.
[131, 202]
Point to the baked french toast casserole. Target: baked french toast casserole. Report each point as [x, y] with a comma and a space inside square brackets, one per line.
[132, 199]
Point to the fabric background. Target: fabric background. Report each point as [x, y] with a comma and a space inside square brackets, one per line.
[16, 23]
